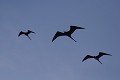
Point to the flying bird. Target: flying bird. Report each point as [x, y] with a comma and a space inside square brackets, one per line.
[26, 33]
[96, 57]
[67, 33]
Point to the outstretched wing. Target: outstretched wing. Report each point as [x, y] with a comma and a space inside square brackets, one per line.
[87, 57]
[73, 28]
[102, 53]
[33, 32]
[29, 31]
[20, 33]
[57, 35]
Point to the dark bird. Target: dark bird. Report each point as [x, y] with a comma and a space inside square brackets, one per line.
[66, 33]
[96, 57]
[26, 33]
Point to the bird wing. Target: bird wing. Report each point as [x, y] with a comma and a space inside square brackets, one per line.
[29, 31]
[73, 28]
[33, 32]
[57, 35]
[20, 33]
[102, 53]
[87, 57]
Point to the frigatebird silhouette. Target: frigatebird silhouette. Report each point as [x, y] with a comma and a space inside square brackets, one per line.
[26, 33]
[67, 33]
[96, 57]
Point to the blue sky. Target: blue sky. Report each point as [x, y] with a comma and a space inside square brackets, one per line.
[42, 59]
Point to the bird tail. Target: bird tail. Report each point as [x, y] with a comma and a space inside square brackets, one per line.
[29, 37]
[72, 39]
[100, 62]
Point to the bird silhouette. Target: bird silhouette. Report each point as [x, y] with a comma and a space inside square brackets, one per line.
[67, 33]
[26, 33]
[96, 57]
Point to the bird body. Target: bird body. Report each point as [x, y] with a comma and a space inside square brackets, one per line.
[96, 57]
[26, 33]
[66, 33]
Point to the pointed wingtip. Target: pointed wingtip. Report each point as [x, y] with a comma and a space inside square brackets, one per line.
[110, 55]
[34, 32]
[82, 28]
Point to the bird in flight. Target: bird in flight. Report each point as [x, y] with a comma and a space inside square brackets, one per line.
[26, 33]
[67, 33]
[96, 57]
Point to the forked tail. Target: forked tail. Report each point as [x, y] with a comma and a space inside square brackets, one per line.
[29, 37]
[72, 39]
[100, 62]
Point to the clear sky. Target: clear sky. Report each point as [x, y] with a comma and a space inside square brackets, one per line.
[42, 59]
